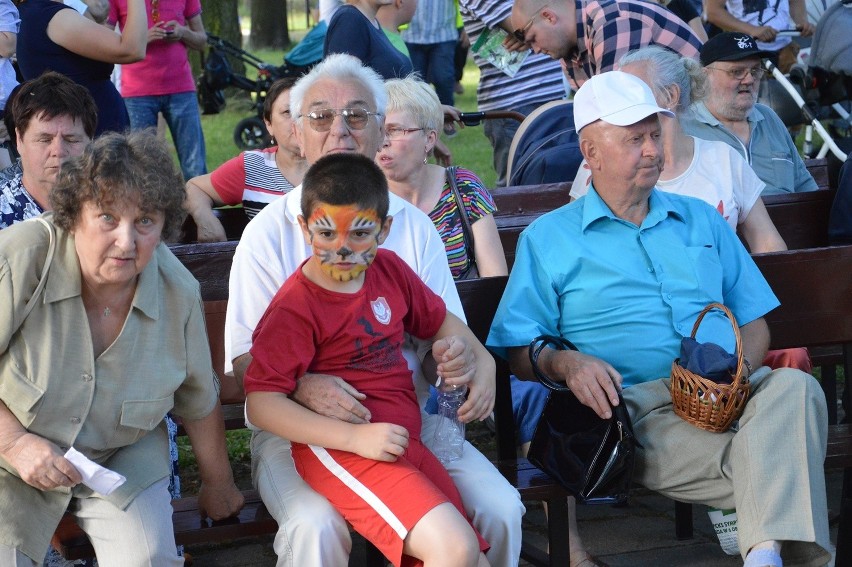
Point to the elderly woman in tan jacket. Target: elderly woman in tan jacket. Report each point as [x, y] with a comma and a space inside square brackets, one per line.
[102, 334]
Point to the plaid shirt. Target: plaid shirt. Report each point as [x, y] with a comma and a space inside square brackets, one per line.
[607, 29]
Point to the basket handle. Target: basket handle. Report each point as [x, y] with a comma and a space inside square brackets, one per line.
[738, 339]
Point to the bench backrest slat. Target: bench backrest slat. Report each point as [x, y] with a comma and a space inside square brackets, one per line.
[815, 290]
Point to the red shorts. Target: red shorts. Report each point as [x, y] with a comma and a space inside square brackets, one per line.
[381, 500]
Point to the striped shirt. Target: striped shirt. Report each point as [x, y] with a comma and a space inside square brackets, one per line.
[538, 80]
[607, 29]
[252, 178]
[478, 203]
[434, 21]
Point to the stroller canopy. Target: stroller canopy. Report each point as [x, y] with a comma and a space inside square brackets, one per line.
[546, 148]
[831, 48]
[309, 50]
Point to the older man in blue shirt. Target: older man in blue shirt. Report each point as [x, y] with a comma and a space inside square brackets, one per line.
[623, 273]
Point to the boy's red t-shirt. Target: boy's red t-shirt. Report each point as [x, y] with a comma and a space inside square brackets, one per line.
[357, 337]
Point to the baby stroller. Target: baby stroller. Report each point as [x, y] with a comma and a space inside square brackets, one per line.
[819, 87]
[250, 133]
[546, 147]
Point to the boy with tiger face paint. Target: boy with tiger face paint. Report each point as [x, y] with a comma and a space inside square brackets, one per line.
[344, 238]
[334, 316]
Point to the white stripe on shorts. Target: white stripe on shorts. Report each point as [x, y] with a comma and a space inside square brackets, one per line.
[358, 488]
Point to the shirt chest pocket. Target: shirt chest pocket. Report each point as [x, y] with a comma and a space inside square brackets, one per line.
[707, 269]
[137, 418]
[782, 166]
[21, 395]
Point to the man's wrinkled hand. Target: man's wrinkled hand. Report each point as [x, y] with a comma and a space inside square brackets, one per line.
[595, 382]
[482, 390]
[332, 397]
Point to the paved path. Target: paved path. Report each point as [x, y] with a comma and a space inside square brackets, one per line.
[639, 535]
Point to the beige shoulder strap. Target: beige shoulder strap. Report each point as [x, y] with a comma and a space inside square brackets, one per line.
[51, 248]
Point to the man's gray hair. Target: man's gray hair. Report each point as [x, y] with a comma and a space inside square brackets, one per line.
[667, 68]
[339, 67]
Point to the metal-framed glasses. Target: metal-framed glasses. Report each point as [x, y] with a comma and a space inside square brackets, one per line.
[740, 74]
[521, 33]
[354, 118]
[396, 133]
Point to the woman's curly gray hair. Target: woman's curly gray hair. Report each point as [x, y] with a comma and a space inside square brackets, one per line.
[135, 167]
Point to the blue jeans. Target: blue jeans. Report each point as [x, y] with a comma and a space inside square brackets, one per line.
[181, 113]
[435, 62]
[500, 132]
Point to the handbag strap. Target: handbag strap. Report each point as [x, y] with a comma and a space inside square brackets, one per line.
[51, 249]
[467, 231]
[537, 345]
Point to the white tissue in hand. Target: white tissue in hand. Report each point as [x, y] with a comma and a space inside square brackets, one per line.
[100, 479]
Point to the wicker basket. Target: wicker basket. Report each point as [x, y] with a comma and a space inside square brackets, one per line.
[702, 402]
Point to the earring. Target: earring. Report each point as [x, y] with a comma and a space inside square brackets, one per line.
[426, 158]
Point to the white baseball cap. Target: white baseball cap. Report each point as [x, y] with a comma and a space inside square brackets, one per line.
[615, 97]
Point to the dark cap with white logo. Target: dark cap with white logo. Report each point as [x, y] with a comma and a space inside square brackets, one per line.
[730, 46]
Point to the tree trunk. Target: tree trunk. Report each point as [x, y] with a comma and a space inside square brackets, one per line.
[269, 24]
[221, 19]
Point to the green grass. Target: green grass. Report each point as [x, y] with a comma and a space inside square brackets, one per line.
[470, 148]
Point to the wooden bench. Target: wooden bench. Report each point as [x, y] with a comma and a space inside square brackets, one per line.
[816, 309]
[211, 263]
[801, 218]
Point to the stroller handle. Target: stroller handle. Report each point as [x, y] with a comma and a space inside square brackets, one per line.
[475, 118]
[830, 144]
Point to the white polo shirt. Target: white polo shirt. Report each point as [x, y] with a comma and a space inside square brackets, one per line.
[272, 247]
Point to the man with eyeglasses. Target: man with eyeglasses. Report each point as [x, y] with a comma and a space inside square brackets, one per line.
[537, 81]
[589, 36]
[339, 107]
[730, 113]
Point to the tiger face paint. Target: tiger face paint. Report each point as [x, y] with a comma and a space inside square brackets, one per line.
[344, 238]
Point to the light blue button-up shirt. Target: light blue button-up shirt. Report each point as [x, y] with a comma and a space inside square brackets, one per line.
[628, 294]
[770, 150]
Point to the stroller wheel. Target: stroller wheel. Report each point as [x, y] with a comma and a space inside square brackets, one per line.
[250, 134]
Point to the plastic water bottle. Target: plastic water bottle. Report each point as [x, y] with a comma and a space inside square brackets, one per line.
[449, 433]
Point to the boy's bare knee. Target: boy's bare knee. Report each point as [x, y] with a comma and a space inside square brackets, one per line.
[444, 537]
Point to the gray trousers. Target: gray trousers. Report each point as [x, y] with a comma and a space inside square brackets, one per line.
[770, 467]
[140, 536]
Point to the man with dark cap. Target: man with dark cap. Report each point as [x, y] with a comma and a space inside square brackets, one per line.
[730, 113]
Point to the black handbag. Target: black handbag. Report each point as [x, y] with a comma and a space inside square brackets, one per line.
[471, 271]
[591, 457]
